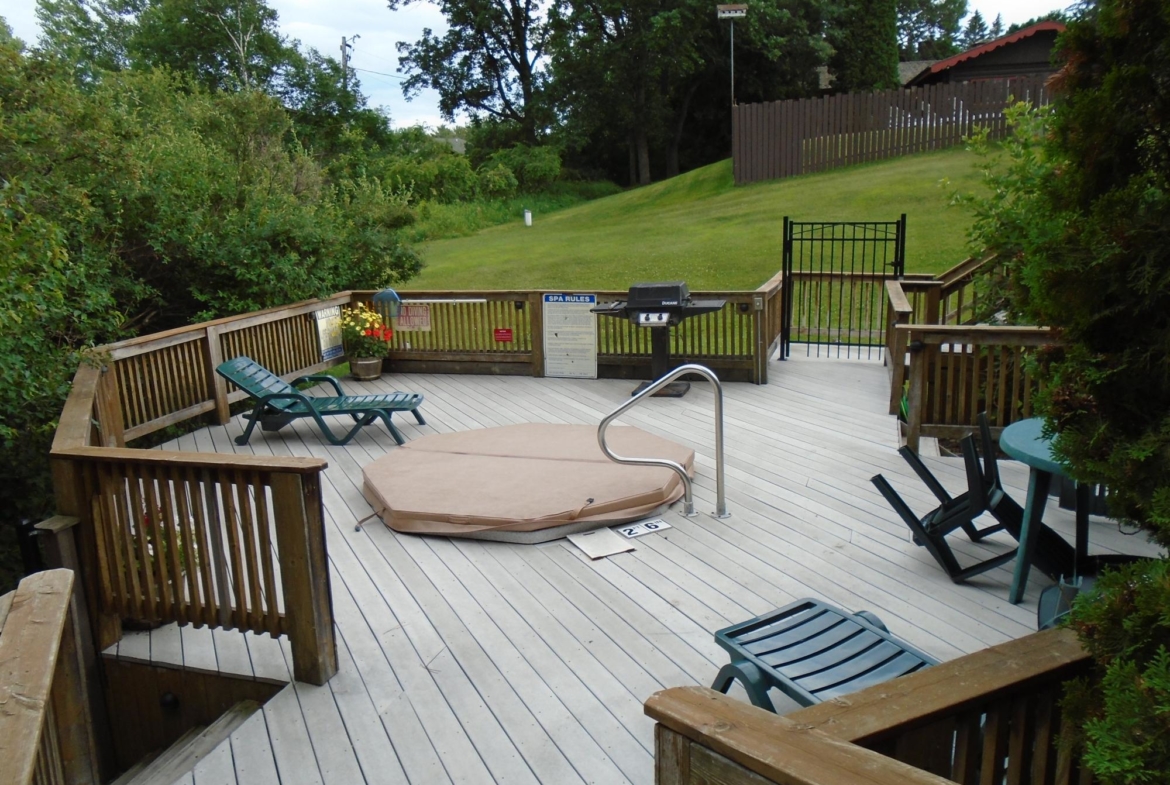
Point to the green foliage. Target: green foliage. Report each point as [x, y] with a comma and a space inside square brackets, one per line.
[976, 32]
[496, 181]
[697, 227]
[929, 29]
[865, 36]
[1088, 223]
[533, 167]
[437, 221]
[1123, 716]
[486, 63]
[143, 202]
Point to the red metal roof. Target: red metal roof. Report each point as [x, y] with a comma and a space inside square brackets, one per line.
[983, 49]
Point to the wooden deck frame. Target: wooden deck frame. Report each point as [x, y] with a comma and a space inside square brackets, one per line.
[984, 717]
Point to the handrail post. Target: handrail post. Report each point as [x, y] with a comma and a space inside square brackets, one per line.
[688, 497]
[304, 575]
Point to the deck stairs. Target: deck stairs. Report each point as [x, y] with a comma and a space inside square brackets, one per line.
[176, 761]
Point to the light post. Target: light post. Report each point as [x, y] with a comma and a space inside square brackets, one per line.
[732, 12]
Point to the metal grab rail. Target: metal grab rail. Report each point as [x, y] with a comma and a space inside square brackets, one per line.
[688, 498]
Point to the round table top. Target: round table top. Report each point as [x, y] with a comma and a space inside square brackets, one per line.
[1025, 441]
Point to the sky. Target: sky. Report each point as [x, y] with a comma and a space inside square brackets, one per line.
[322, 23]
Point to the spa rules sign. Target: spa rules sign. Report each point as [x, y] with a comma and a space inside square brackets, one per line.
[570, 336]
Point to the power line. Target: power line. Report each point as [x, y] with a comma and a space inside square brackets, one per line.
[379, 73]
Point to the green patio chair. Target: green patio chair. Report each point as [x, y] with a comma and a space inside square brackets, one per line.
[812, 651]
[278, 403]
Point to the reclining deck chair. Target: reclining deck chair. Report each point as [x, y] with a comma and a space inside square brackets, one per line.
[932, 529]
[278, 403]
[812, 651]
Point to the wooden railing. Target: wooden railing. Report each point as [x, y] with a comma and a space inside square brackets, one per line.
[233, 540]
[219, 539]
[956, 372]
[735, 341]
[989, 717]
[46, 727]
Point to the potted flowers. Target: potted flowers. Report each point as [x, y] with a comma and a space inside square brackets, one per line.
[367, 341]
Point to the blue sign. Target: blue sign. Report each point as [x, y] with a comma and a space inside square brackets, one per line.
[590, 299]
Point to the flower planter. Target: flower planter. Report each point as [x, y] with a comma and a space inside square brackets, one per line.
[365, 368]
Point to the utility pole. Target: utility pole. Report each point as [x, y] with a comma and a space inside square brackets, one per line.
[732, 12]
[345, 47]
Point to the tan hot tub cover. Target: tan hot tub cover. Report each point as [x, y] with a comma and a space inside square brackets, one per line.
[527, 483]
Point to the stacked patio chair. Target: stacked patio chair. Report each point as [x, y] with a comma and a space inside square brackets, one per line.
[960, 512]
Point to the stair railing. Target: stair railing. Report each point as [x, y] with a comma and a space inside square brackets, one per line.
[688, 497]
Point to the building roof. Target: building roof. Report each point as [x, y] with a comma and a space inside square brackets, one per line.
[990, 46]
[911, 68]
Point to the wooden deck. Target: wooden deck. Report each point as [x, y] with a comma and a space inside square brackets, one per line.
[476, 662]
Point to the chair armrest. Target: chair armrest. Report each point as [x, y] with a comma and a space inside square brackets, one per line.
[322, 377]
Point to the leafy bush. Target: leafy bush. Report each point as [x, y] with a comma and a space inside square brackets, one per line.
[145, 202]
[496, 181]
[534, 167]
[1088, 223]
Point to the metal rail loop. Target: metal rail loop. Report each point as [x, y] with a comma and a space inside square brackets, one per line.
[688, 498]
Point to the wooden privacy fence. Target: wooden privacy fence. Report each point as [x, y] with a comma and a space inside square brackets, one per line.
[801, 136]
[989, 717]
[46, 727]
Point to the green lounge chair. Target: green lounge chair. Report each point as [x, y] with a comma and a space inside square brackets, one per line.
[812, 651]
[278, 403]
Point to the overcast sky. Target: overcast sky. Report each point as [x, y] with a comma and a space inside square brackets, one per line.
[322, 23]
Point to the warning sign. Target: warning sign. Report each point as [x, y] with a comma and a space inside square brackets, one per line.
[414, 318]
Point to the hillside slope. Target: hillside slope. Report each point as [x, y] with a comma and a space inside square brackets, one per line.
[700, 228]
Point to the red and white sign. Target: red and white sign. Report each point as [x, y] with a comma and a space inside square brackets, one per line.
[502, 334]
[413, 318]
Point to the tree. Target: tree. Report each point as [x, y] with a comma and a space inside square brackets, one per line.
[223, 44]
[975, 32]
[864, 34]
[929, 29]
[1051, 16]
[996, 27]
[633, 77]
[93, 35]
[487, 63]
[1083, 213]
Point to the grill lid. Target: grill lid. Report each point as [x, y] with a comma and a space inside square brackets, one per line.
[669, 294]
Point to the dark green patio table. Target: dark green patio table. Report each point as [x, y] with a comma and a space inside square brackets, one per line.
[1025, 441]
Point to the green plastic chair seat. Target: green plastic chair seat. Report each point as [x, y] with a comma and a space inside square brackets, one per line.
[279, 403]
[812, 651]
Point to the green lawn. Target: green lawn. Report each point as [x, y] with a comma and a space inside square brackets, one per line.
[701, 229]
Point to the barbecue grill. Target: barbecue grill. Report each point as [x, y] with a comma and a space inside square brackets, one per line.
[659, 306]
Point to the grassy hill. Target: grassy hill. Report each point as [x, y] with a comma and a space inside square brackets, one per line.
[700, 228]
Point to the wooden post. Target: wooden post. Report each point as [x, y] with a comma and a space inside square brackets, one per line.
[70, 493]
[919, 363]
[218, 389]
[304, 574]
[90, 752]
[110, 423]
[536, 326]
[672, 757]
[28, 660]
[932, 305]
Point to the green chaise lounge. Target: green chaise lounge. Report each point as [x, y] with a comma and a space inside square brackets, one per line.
[278, 403]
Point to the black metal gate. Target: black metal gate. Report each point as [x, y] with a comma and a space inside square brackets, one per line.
[834, 284]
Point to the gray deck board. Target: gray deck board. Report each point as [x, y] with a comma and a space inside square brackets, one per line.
[464, 661]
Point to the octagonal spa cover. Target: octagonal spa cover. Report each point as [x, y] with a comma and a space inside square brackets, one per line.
[522, 483]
